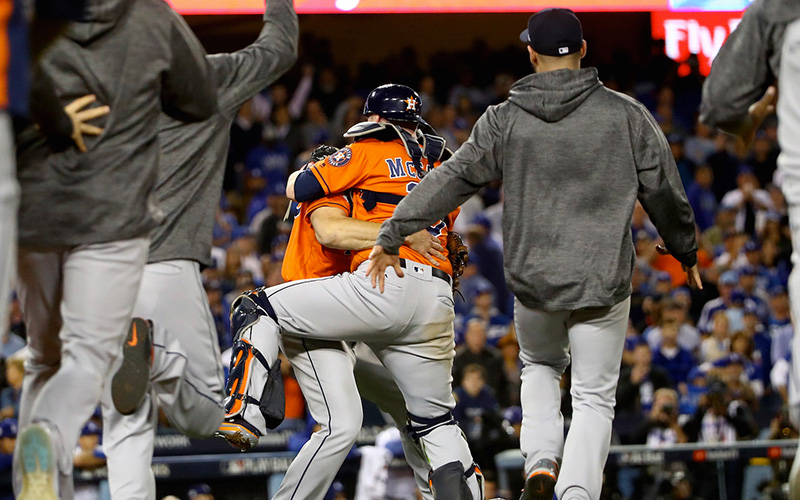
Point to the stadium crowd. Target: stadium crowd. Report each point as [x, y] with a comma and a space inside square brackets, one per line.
[699, 366]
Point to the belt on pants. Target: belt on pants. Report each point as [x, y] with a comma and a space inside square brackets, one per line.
[438, 273]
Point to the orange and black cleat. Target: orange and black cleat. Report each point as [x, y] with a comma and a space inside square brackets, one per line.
[541, 483]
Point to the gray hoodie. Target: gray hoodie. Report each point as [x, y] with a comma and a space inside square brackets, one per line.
[190, 178]
[137, 56]
[748, 62]
[574, 157]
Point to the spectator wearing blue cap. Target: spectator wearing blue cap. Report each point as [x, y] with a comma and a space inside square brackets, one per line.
[8, 440]
[754, 296]
[752, 203]
[483, 307]
[472, 283]
[780, 323]
[702, 198]
[490, 259]
[726, 285]
[670, 356]
[756, 331]
[200, 491]
[743, 349]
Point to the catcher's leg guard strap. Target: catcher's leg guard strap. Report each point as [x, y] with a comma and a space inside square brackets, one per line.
[254, 389]
[419, 427]
[450, 482]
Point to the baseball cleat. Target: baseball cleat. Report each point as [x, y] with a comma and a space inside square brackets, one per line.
[238, 433]
[132, 380]
[541, 483]
[38, 463]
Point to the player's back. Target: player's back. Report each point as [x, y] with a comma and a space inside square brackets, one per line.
[379, 173]
[136, 56]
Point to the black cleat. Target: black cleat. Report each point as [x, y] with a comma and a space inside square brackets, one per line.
[132, 380]
[541, 484]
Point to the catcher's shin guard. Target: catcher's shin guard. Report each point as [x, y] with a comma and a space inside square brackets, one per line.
[451, 482]
[255, 399]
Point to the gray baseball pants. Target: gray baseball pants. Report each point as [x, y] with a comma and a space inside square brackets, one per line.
[9, 201]
[333, 378]
[186, 377]
[409, 328]
[77, 304]
[788, 109]
[594, 339]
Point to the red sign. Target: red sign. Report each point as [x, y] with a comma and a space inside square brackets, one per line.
[701, 33]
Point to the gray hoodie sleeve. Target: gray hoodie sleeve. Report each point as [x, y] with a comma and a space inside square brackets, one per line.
[445, 188]
[660, 190]
[188, 86]
[740, 73]
[244, 73]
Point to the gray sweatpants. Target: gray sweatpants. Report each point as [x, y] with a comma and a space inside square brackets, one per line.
[186, 377]
[594, 338]
[77, 304]
[409, 328]
[789, 165]
[9, 201]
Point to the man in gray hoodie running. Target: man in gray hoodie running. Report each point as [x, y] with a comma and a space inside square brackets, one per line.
[738, 94]
[574, 157]
[85, 218]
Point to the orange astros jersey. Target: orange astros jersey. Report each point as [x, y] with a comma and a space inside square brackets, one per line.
[370, 166]
[305, 257]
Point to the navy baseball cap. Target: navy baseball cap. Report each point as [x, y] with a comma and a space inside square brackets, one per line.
[554, 32]
[8, 428]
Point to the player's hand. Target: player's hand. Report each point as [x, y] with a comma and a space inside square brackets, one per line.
[379, 260]
[79, 117]
[692, 273]
[759, 111]
[424, 243]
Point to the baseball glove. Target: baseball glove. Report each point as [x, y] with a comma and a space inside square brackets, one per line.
[458, 255]
[321, 152]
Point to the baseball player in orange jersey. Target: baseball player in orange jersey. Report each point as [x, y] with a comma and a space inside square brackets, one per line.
[325, 368]
[409, 327]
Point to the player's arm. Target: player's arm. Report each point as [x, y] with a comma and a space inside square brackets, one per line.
[445, 188]
[189, 89]
[242, 74]
[336, 173]
[334, 228]
[661, 192]
[740, 78]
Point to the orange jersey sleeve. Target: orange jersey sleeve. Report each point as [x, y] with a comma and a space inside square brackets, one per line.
[342, 170]
[305, 257]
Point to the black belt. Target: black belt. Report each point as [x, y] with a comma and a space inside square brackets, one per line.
[434, 271]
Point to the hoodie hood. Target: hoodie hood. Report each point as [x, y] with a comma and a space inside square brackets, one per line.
[782, 11]
[553, 95]
[99, 16]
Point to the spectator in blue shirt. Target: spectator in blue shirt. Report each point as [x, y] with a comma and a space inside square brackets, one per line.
[10, 396]
[726, 285]
[670, 356]
[780, 323]
[473, 400]
[490, 259]
[702, 198]
[752, 295]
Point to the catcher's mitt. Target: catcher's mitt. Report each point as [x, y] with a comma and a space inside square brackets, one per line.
[458, 255]
[322, 151]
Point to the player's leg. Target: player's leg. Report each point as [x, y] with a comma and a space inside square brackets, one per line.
[788, 109]
[40, 292]
[128, 446]
[324, 371]
[376, 384]
[187, 373]
[596, 337]
[9, 201]
[100, 283]
[544, 351]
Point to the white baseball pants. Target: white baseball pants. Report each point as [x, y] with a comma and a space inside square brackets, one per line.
[594, 338]
[77, 305]
[186, 377]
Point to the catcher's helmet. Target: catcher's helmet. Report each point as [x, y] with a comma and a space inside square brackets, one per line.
[394, 102]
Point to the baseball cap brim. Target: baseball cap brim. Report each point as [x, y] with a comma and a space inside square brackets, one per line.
[524, 37]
